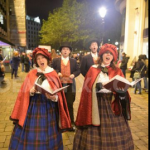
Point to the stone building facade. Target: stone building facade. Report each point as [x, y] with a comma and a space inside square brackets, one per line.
[134, 35]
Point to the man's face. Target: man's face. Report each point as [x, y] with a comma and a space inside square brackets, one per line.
[65, 52]
[94, 47]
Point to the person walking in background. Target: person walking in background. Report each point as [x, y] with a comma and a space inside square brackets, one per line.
[132, 71]
[1, 56]
[15, 64]
[26, 63]
[102, 117]
[2, 72]
[124, 63]
[90, 59]
[145, 74]
[54, 54]
[67, 69]
[140, 67]
[29, 55]
[22, 61]
[39, 119]
[2, 68]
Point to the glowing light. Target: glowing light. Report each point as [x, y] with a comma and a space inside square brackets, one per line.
[102, 12]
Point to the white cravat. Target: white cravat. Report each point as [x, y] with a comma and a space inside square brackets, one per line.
[94, 55]
[65, 60]
[103, 77]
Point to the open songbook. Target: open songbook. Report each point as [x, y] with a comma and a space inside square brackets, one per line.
[119, 83]
[42, 88]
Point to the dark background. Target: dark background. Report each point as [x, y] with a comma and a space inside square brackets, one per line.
[42, 8]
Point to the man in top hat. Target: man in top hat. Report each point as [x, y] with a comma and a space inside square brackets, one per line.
[67, 69]
[90, 59]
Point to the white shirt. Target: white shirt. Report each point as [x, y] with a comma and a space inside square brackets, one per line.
[94, 55]
[65, 60]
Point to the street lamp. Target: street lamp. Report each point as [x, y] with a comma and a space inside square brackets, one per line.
[102, 13]
[116, 43]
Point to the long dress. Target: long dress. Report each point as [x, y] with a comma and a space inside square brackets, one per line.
[43, 123]
[40, 130]
[113, 132]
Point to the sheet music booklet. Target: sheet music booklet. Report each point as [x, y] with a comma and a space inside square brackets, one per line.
[44, 89]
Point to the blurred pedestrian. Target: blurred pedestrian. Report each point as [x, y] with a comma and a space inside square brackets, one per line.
[39, 119]
[54, 54]
[1, 56]
[67, 69]
[2, 72]
[90, 59]
[140, 67]
[22, 61]
[145, 74]
[102, 117]
[124, 62]
[2, 68]
[26, 63]
[15, 64]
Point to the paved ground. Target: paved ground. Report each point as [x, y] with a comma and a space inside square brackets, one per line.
[8, 94]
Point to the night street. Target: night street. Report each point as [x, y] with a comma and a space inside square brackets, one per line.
[138, 124]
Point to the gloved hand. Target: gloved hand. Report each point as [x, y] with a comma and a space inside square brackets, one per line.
[99, 86]
[121, 94]
[125, 104]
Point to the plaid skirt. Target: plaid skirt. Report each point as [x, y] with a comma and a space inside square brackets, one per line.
[40, 130]
[112, 134]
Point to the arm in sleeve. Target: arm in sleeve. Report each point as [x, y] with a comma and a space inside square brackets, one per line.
[77, 69]
[83, 67]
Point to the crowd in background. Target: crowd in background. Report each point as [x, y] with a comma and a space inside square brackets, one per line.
[99, 67]
[25, 61]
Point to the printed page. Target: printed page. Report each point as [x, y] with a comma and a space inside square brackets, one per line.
[117, 77]
[43, 89]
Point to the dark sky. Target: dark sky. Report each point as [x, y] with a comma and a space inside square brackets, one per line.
[42, 8]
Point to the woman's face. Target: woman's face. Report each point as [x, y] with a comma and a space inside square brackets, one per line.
[107, 58]
[42, 62]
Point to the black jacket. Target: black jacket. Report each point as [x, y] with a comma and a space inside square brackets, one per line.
[124, 62]
[141, 67]
[22, 59]
[86, 63]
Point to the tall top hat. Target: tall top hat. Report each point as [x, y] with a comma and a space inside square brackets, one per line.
[65, 44]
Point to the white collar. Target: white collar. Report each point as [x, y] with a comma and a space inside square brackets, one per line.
[104, 65]
[67, 58]
[94, 55]
[47, 69]
[95, 65]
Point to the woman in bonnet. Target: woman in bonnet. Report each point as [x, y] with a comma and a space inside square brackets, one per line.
[39, 119]
[102, 118]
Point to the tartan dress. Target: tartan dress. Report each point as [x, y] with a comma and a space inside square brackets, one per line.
[112, 134]
[40, 130]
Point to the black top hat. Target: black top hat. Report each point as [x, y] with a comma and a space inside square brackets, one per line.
[93, 40]
[65, 44]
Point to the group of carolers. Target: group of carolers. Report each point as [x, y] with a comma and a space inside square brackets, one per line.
[101, 122]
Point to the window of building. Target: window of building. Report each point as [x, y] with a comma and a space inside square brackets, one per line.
[1, 18]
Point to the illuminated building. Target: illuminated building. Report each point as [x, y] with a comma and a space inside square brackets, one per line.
[134, 36]
[33, 27]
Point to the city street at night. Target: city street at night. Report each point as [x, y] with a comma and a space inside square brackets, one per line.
[138, 123]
